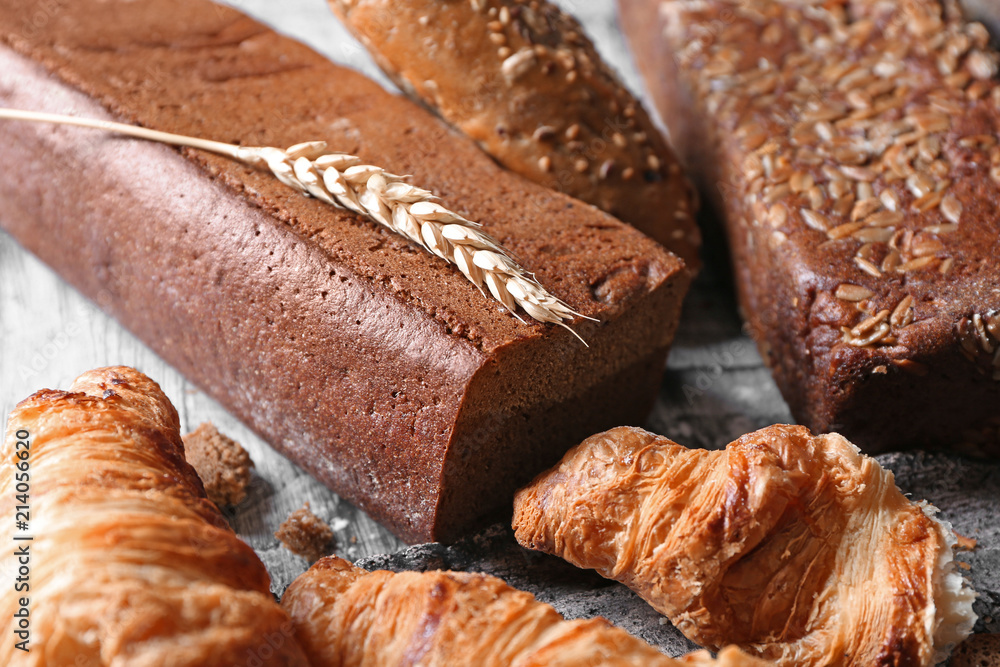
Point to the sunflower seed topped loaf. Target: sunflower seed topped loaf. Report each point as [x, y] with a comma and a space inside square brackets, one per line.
[851, 147]
[375, 365]
[524, 81]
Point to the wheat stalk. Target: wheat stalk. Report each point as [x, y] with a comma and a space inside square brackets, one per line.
[344, 181]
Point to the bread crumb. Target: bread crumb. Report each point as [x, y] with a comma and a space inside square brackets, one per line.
[221, 462]
[964, 543]
[305, 534]
[977, 651]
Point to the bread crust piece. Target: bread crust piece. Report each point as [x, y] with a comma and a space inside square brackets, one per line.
[305, 534]
[345, 616]
[526, 83]
[851, 149]
[374, 365]
[221, 463]
[130, 563]
[796, 548]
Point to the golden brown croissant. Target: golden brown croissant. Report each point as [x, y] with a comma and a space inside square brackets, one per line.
[129, 563]
[345, 616]
[797, 548]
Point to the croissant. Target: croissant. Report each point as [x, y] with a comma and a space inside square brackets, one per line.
[129, 564]
[346, 616]
[797, 548]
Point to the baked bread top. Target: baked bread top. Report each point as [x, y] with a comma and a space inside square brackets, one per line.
[866, 135]
[230, 78]
[527, 84]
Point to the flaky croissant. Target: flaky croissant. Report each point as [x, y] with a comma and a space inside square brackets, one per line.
[797, 548]
[130, 564]
[345, 616]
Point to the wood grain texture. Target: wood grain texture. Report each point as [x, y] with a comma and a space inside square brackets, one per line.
[716, 388]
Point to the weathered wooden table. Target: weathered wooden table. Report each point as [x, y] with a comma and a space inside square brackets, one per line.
[716, 389]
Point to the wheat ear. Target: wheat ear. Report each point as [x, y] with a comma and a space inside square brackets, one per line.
[342, 180]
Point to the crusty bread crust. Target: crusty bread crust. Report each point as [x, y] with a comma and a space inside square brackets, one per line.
[526, 83]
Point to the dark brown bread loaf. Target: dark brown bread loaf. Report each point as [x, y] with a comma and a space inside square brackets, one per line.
[374, 365]
[524, 81]
[851, 148]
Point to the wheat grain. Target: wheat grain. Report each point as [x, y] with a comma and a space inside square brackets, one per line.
[344, 181]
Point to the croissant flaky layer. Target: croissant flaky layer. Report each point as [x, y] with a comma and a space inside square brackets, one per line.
[798, 548]
[130, 564]
[345, 616]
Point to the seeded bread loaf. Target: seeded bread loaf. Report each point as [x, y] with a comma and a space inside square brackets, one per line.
[526, 83]
[371, 363]
[851, 148]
